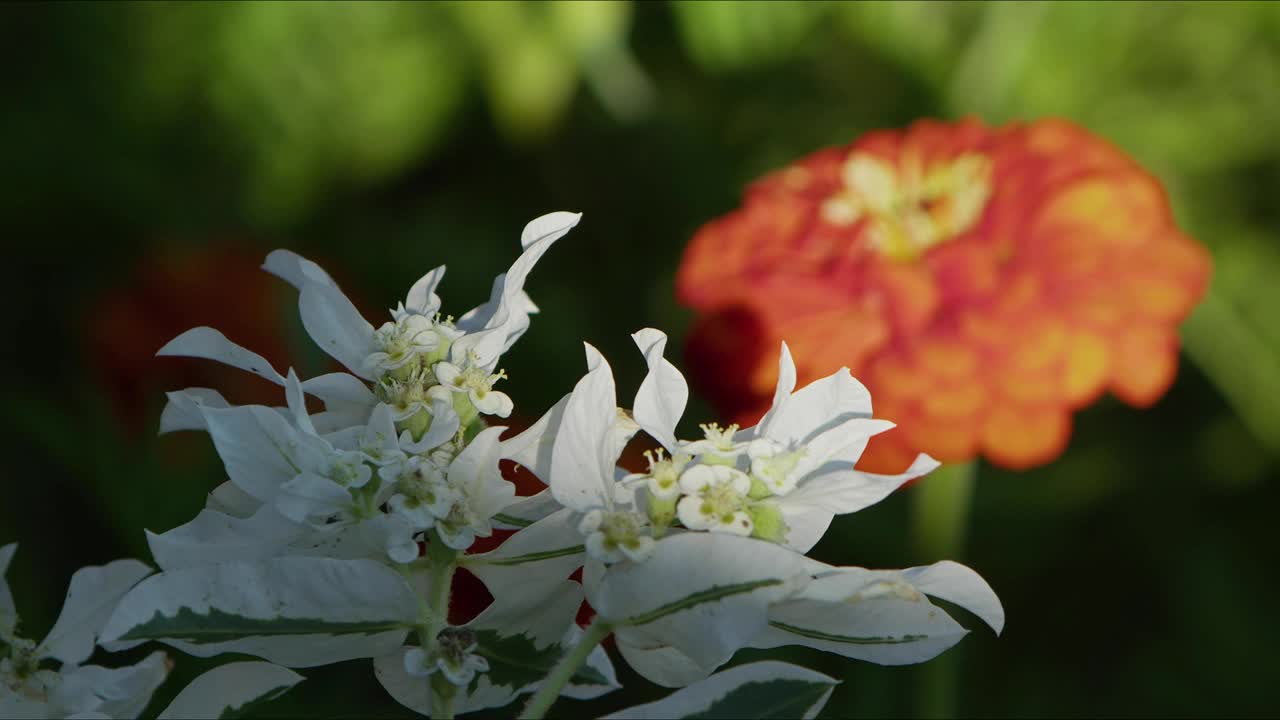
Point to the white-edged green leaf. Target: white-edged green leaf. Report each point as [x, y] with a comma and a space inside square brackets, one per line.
[8, 613]
[549, 548]
[230, 690]
[874, 615]
[706, 594]
[293, 611]
[761, 690]
[91, 598]
[527, 510]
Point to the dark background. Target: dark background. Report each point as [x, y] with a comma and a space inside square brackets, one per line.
[152, 154]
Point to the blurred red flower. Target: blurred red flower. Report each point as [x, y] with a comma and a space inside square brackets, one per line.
[982, 282]
[168, 293]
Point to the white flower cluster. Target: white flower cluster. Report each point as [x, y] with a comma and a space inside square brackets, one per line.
[338, 532]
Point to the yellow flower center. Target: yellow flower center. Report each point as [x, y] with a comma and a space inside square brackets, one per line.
[909, 208]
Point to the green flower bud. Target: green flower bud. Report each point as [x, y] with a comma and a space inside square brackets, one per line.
[417, 424]
[769, 524]
[661, 512]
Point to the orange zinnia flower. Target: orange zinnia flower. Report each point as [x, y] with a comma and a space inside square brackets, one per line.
[983, 283]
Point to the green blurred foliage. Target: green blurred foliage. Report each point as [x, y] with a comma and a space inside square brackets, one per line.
[383, 139]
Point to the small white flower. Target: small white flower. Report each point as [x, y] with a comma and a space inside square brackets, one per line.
[454, 656]
[717, 445]
[774, 465]
[400, 342]
[612, 536]
[481, 491]
[477, 383]
[422, 494]
[716, 499]
[663, 479]
[347, 468]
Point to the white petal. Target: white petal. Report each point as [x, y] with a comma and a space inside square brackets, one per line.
[341, 392]
[297, 403]
[228, 498]
[689, 510]
[805, 527]
[422, 298]
[444, 425]
[697, 477]
[259, 448]
[295, 269]
[379, 438]
[205, 342]
[816, 407]
[844, 490]
[661, 399]
[336, 326]
[738, 690]
[532, 448]
[309, 497]
[492, 403]
[91, 597]
[838, 444]
[662, 664]
[642, 551]
[227, 688]
[781, 393]
[510, 316]
[581, 464]
[415, 662]
[182, 411]
[213, 536]
[548, 228]
[447, 373]
[476, 470]
[123, 692]
[959, 584]
[595, 547]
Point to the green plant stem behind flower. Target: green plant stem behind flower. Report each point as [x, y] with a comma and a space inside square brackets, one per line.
[940, 506]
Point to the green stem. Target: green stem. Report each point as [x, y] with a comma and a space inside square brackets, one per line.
[560, 675]
[940, 519]
[443, 561]
[940, 512]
